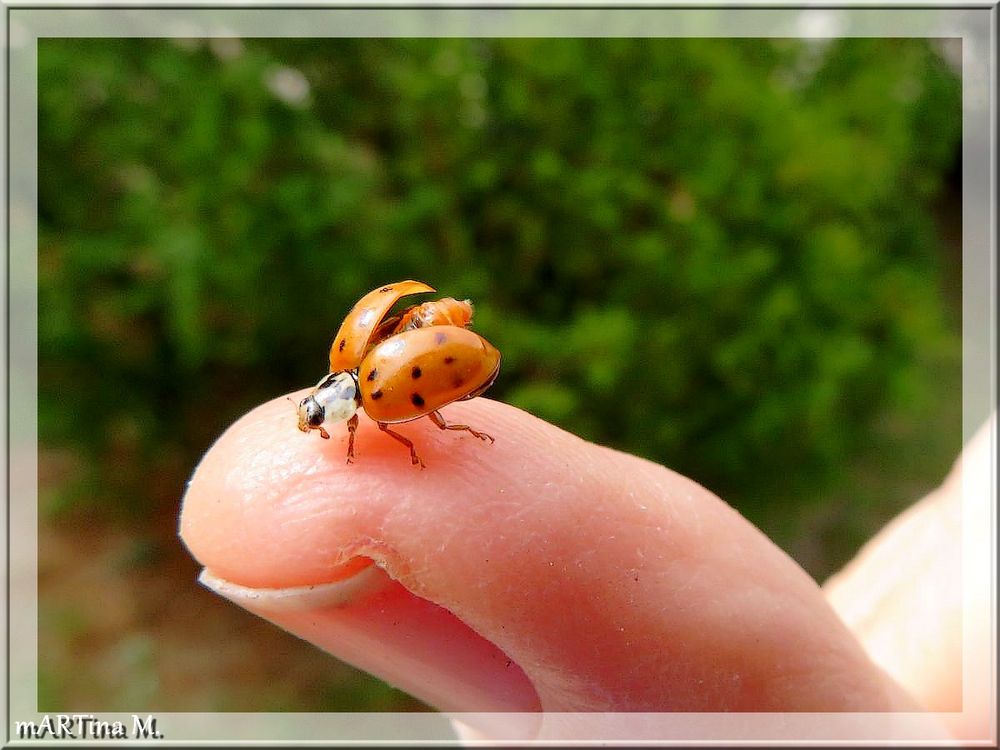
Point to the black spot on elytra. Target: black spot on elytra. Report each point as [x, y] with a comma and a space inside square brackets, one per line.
[385, 289]
[440, 338]
[458, 381]
[416, 373]
[376, 395]
[417, 400]
[372, 375]
[449, 360]
[341, 345]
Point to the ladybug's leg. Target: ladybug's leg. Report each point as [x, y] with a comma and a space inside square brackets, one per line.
[437, 419]
[414, 458]
[352, 426]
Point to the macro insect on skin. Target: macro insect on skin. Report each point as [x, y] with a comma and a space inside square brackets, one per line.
[402, 367]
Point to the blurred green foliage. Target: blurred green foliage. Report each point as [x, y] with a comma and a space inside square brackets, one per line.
[714, 253]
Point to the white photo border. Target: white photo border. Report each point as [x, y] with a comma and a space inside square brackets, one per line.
[974, 23]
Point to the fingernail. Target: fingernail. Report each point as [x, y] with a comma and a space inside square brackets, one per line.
[372, 622]
[299, 598]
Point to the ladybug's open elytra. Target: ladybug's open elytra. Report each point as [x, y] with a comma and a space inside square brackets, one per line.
[401, 367]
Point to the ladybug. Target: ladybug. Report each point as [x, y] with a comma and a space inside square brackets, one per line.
[402, 367]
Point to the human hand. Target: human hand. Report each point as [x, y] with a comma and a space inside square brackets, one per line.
[918, 595]
[540, 573]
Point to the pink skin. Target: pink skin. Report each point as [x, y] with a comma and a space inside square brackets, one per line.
[539, 573]
[918, 595]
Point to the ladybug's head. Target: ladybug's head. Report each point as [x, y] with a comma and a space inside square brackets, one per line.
[334, 399]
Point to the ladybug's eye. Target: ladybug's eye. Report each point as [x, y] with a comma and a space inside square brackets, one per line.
[314, 414]
[311, 414]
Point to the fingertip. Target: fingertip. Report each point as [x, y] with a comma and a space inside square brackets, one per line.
[269, 505]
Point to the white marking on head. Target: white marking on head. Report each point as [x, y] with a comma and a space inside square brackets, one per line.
[337, 394]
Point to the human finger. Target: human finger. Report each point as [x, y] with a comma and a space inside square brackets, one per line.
[541, 572]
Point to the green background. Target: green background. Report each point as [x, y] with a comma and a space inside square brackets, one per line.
[738, 258]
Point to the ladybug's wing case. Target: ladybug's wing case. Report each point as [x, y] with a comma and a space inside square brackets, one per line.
[415, 372]
[356, 331]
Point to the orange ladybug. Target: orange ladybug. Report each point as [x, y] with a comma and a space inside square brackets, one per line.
[401, 368]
